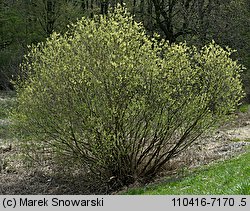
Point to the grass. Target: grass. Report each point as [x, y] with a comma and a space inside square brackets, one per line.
[3, 109]
[6, 102]
[244, 108]
[240, 140]
[231, 177]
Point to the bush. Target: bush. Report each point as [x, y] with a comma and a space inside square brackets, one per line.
[122, 104]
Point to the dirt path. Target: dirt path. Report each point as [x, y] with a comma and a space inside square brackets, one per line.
[230, 140]
[242, 133]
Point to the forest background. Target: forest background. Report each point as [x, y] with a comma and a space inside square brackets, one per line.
[197, 22]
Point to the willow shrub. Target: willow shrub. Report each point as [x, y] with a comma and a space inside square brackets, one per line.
[122, 104]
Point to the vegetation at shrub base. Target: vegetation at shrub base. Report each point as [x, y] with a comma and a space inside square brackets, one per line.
[230, 177]
[117, 102]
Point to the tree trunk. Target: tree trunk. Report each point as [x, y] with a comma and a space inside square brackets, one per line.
[104, 7]
[50, 17]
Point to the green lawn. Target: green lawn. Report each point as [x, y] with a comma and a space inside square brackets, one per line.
[244, 108]
[231, 177]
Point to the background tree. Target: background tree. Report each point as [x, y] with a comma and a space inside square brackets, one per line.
[23, 23]
[13, 40]
[194, 21]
